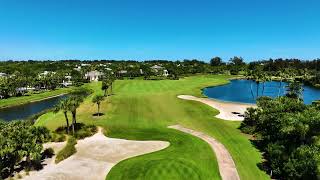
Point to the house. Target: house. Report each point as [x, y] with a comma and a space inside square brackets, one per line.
[159, 70]
[45, 73]
[67, 81]
[156, 68]
[165, 72]
[78, 68]
[3, 74]
[93, 75]
[123, 72]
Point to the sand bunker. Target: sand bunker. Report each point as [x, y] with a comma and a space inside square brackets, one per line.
[228, 111]
[95, 156]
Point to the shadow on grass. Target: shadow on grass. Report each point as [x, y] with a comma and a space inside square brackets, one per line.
[98, 114]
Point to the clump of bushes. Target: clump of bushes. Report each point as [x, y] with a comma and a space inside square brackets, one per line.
[81, 131]
[85, 131]
[55, 137]
[20, 145]
[287, 132]
[67, 151]
[47, 153]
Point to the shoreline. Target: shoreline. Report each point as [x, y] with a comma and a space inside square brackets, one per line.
[33, 101]
[227, 111]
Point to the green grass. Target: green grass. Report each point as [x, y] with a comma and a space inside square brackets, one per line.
[67, 151]
[143, 109]
[14, 101]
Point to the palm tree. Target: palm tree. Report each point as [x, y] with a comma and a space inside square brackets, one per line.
[97, 100]
[63, 106]
[73, 103]
[105, 86]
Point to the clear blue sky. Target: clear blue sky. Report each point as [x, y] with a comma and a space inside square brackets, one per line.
[161, 29]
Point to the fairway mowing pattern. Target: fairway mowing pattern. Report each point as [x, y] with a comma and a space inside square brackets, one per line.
[143, 109]
[171, 169]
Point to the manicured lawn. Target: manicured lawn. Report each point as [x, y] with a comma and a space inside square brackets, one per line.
[143, 109]
[13, 101]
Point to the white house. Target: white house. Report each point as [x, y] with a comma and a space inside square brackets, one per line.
[78, 68]
[123, 72]
[67, 81]
[165, 72]
[45, 73]
[158, 69]
[3, 74]
[93, 75]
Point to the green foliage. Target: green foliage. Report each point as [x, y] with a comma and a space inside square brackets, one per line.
[67, 151]
[85, 131]
[20, 139]
[288, 132]
[142, 110]
[48, 153]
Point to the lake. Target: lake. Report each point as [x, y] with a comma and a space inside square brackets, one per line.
[26, 110]
[240, 91]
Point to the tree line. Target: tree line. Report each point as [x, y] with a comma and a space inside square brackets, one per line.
[288, 133]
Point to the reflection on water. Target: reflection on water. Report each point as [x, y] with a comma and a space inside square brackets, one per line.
[26, 110]
[246, 91]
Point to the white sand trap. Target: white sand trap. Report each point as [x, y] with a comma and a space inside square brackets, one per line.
[95, 156]
[226, 109]
[227, 167]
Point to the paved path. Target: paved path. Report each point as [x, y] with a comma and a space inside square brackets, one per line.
[227, 167]
[95, 157]
[226, 109]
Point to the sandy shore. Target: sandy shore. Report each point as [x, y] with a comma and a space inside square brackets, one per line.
[95, 157]
[227, 109]
[227, 167]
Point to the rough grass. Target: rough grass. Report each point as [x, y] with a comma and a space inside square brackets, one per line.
[14, 101]
[142, 110]
[67, 151]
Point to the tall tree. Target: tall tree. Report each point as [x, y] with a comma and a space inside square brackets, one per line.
[105, 86]
[97, 99]
[74, 102]
[216, 61]
[63, 106]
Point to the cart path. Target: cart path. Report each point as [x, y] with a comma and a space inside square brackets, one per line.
[227, 167]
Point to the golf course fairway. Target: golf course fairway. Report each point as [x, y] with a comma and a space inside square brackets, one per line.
[143, 110]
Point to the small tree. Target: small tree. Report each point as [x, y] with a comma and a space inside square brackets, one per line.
[97, 100]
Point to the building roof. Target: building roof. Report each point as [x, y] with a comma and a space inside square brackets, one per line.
[156, 67]
[93, 73]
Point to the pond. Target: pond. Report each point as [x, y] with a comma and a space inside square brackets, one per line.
[245, 91]
[26, 110]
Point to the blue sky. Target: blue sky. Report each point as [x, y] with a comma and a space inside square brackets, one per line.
[162, 29]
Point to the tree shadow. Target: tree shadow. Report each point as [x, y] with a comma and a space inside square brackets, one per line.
[97, 114]
[34, 165]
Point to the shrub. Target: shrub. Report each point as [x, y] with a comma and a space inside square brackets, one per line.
[85, 131]
[67, 151]
[47, 153]
[58, 137]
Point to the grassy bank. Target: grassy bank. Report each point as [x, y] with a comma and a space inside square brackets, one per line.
[14, 101]
[143, 109]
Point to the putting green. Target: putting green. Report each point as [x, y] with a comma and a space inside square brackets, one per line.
[142, 110]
